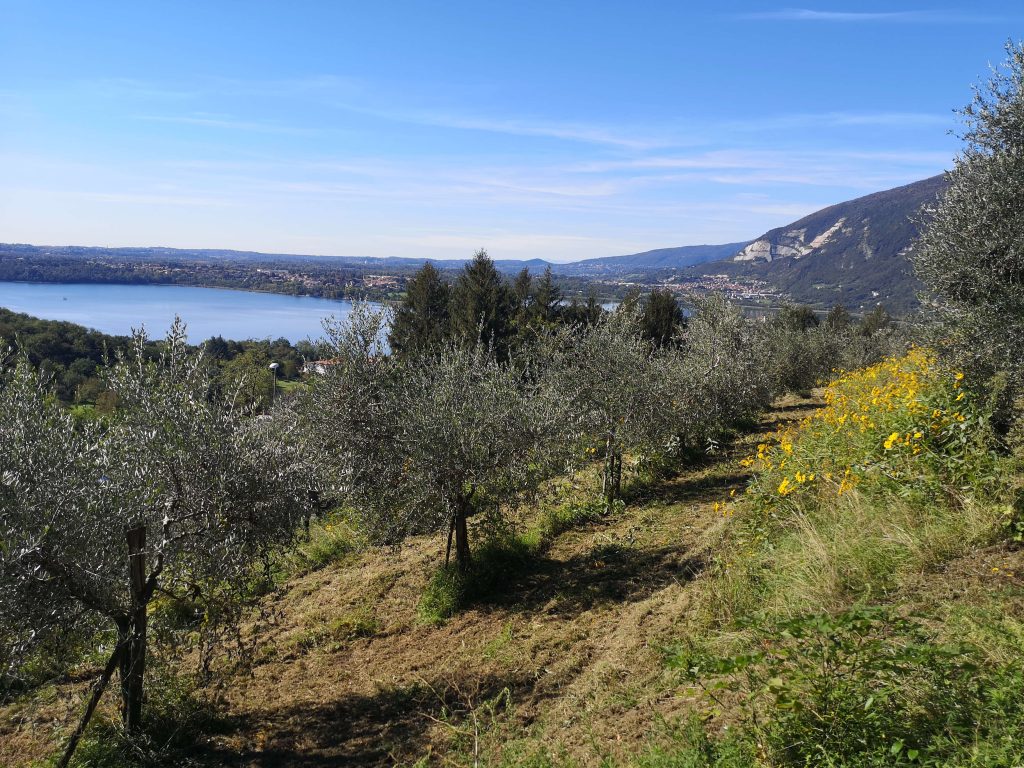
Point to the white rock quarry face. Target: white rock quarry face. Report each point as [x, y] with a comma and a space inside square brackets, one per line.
[789, 244]
[759, 249]
[828, 234]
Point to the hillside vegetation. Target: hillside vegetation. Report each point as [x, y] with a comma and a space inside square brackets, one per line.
[534, 536]
[687, 628]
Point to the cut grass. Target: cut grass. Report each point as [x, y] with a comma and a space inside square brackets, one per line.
[575, 638]
[331, 632]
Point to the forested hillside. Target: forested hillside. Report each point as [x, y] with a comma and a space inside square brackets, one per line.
[855, 253]
[72, 356]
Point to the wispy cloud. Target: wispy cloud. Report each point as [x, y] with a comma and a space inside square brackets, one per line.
[588, 134]
[897, 17]
[120, 88]
[227, 123]
[830, 166]
[839, 120]
[567, 131]
[361, 97]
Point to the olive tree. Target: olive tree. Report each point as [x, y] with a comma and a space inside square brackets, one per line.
[177, 494]
[970, 255]
[620, 385]
[722, 374]
[422, 442]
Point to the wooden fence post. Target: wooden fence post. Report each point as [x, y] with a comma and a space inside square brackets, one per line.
[133, 663]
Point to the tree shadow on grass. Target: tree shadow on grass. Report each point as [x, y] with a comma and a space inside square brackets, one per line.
[785, 414]
[607, 574]
[709, 487]
[393, 725]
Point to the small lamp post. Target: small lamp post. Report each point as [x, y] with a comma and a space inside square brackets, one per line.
[273, 390]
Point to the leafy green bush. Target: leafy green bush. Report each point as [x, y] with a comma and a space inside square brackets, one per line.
[443, 595]
[451, 589]
[866, 687]
[564, 517]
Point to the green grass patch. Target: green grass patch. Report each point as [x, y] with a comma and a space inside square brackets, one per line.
[174, 716]
[331, 540]
[449, 590]
[570, 514]
[865, 687]
[332, 632]
[804, 632]
[503, 554]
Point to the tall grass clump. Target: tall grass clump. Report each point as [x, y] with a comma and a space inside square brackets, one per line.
[863, 687]
[809, 641]
[894, 474]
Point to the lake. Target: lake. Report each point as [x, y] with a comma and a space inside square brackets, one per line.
[116, 309]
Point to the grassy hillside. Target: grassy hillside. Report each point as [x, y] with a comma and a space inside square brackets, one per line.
[839, 586]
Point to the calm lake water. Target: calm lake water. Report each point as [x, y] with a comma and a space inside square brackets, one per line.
[208, 312]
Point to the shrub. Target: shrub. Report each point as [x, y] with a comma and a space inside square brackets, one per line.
[502, 555]
[903, 421]
[969, 256]
[866, 687]
[329, 541]
[423, 442]
[893, 474]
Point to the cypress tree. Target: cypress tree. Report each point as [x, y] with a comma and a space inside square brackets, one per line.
[874, 321]
[547, 298]
[838, 318]
[522, 289]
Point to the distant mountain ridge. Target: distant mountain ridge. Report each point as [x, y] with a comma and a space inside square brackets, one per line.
[853, 253]
[606, 266]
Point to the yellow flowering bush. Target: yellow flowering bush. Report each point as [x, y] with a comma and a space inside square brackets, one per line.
[897, 421]
[895, 472]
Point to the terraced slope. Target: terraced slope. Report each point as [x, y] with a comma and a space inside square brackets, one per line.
[566, 659]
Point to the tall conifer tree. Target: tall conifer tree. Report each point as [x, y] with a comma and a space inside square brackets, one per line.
[482, 305]
[547, 298]
[522, 294]
[422, 321]
[661, 317]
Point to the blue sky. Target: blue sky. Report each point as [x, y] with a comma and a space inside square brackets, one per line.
[560, 130]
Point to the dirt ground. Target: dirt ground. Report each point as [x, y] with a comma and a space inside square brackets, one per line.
[566, 661]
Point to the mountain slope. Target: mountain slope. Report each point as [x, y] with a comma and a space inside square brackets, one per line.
[661, 258]
[853, 252]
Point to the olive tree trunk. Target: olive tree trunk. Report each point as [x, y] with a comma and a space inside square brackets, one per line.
[460, 524]
[611, 477]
